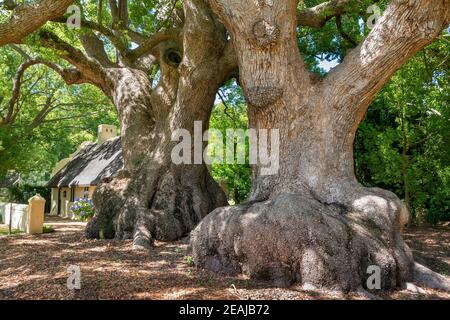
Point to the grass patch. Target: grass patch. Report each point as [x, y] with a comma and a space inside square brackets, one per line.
[47, 229]
[4, 231]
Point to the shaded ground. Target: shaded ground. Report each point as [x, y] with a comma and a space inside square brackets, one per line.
[4, 230]
[35, 267]
[431, 247]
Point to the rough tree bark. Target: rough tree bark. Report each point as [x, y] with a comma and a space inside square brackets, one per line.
[24, 19]
[152, 198]
[312, 222]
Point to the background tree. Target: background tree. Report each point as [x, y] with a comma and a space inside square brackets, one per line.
[229, 114]
[50, 119]
[403, 144]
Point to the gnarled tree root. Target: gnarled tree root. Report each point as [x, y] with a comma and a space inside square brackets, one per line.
[427, 278]
[296, 238]
[166, 207]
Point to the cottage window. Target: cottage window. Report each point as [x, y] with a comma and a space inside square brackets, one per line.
[86, 192]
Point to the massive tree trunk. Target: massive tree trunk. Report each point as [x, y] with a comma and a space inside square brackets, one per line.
[152, 198]
[312, 222]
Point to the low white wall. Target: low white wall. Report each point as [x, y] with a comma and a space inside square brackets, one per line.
[19, 215]
[54, 202]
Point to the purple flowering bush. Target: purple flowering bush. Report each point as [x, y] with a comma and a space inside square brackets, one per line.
[83, 209]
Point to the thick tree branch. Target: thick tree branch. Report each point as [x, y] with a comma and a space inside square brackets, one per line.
[119, 14]
[114, 11]
[94, 48]
[405, 28]
[115, 39]
[100, 12]
[136, 36]
[342, 32]
[150, 43]
[91, 70]
[25, 19]
[317, 16]
[70, 76]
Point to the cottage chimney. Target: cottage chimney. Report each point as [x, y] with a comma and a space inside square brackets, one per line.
[105, 132]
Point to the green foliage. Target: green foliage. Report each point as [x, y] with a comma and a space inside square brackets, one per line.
[404, 143]
[54, 119]
[237, 177]
[4, 231]
[24, 191]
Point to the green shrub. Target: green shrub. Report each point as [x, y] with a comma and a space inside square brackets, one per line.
[47, 229]
[82, 209]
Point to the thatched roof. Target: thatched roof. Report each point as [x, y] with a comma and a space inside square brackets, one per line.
[90, 165]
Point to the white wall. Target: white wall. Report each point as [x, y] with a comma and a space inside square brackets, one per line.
[54, 202]
[19, 215]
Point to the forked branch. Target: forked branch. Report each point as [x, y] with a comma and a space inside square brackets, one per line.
[405, 28]
[317, 16]
[70, 76]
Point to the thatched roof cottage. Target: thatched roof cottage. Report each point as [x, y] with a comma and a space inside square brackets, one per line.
[77, 176]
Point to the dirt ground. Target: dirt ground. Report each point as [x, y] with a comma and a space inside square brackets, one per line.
[35, 267]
